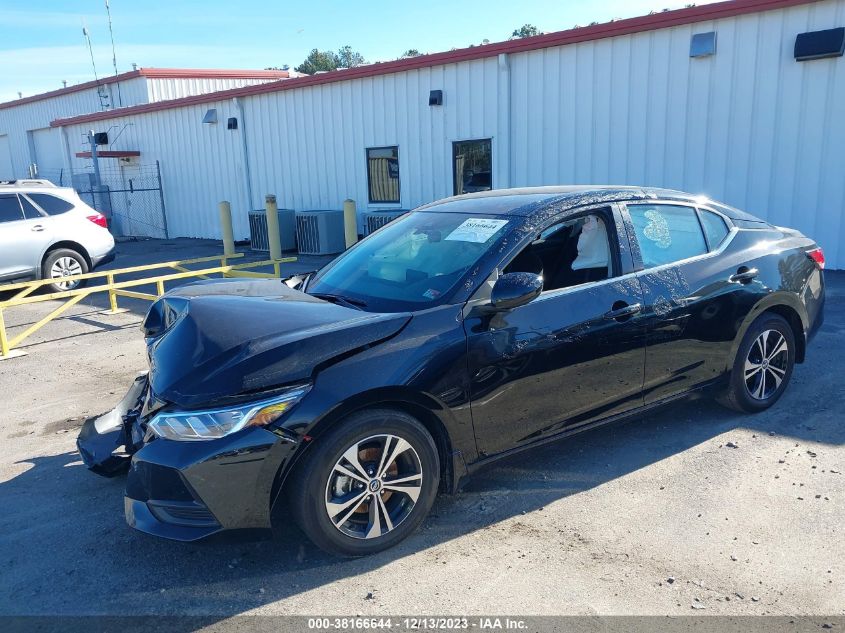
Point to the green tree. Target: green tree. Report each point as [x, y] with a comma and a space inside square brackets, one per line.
[318, 61]
[347, 58]
[411, 52]
[526, 30]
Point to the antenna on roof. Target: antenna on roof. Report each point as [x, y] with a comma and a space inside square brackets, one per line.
[102, 95]
[113, 54]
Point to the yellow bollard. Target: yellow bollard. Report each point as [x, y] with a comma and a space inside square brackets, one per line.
[226, 228]
[350, 222]
[273, 236]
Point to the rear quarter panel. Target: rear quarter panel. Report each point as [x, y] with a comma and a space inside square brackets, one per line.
[787, 277]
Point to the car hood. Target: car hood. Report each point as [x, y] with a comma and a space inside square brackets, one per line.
[213, 340]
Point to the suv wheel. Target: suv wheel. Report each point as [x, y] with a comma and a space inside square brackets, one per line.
[64, 262]
[366, 484]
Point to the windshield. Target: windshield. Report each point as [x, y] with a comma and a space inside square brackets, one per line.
[413, 263]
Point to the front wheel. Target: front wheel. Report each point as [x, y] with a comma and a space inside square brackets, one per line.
[366, 484]
[763, 365]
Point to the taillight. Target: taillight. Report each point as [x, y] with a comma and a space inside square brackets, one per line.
[99, 220]
[817, 255]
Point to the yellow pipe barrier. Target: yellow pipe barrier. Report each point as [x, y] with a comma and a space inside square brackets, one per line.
[136, 295]
[37, 326]
[4, 342]
[121, 271]
[119, 288]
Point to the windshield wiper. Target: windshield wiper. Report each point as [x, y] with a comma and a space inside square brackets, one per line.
[340, 299]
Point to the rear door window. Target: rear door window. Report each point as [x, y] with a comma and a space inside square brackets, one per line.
[666, 233]
[10, 208]
[52, 205]
[29, 210]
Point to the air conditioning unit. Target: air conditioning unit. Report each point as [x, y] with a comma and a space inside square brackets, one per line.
[320, 232]
[374, 220]
[258, 235]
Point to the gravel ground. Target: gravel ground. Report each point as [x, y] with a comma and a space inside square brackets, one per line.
[693, 510]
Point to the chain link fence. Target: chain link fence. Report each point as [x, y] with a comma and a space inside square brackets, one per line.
[130, 196]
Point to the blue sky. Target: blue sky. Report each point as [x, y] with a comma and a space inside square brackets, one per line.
[41, 43]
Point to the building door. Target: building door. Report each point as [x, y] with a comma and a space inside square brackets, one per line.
[7, 172]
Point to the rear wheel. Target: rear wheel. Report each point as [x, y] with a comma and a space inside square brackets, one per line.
[763, 365]
[367, 484]
[64, 262]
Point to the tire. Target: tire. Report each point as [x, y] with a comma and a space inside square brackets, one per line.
[757, 385]
[349, 517]
[64, 261]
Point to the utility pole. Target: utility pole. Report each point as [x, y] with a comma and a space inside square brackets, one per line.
[97, 181]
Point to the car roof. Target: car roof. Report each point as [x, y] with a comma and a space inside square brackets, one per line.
[529, 202]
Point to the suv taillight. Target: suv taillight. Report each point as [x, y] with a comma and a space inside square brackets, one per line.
[99, 220]
[817, 255]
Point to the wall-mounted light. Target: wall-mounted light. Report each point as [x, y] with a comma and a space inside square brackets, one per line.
[820, 44]
[703, 44]
[231, 123]
[210, 116]
[435, 98]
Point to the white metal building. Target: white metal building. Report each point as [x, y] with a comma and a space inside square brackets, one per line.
[28, 142]
[708, 99]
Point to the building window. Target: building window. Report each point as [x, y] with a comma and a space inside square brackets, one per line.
[383, 174]
[473, 165]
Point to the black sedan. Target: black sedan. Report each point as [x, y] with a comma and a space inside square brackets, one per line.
[467, 330]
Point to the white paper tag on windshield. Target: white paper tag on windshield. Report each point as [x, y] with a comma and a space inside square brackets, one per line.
[476, 230]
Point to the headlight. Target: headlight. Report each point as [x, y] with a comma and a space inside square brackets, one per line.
[217, 423]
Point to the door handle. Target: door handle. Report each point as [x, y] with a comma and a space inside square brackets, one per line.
[37, 227]
[623, 312]
[744, 275]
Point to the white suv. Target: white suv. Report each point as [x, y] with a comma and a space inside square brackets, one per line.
[48, 232]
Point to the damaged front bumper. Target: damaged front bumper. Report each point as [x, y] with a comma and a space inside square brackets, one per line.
[103, 440]
[185, 490]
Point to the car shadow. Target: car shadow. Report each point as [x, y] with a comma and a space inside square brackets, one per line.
[64, 524]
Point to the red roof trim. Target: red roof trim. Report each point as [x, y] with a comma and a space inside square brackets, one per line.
[106, 153]
[629, 26]
[154, 73]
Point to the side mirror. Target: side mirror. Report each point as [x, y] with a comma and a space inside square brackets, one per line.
[515, 289]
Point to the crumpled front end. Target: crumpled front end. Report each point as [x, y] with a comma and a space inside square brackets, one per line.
[105, 442]
[184, 490]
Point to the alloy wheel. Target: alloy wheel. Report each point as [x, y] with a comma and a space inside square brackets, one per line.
[65, 267]
[766, 364]
[374, 486]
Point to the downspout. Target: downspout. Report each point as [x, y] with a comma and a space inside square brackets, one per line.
[503, 125]
[244, 154]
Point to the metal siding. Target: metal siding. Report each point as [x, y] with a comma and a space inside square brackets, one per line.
[308, 146]
[749, 125]
[200, 163]
[164, 89]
